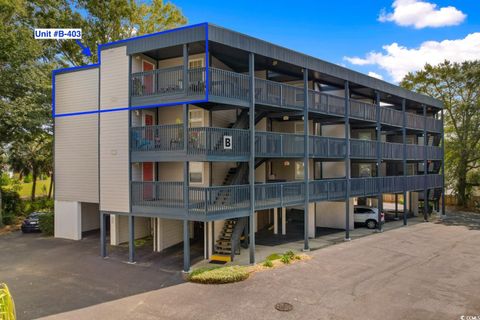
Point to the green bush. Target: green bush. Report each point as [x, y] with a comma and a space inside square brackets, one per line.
[290, 253]
[28, 178]
[40, 204]
[219, 275]
[12, 206]
[46, 223]
[286, 259]
[268, 263]
[274, 256]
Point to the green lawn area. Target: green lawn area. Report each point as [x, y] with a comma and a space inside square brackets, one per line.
[40, 190]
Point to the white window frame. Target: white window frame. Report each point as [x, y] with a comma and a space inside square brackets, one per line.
[193, 61]
[298, 176]
[202, 173]
[200, 119]
[295, 127]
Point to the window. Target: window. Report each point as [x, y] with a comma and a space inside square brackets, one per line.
[299, 170]
[196, 172]
[195, 63]
[299, 127]
[365, 170]
[198, 75]
[196, 118]
[365, 135]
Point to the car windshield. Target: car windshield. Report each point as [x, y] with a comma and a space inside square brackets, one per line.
[35, 215]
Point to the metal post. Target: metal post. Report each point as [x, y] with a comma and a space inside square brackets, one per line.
[185, 68]
[443, 163]
[404, 137]
[186, 195]
[396, 206]
[103, 235]
[425, 165]
[251, 164]
[379, 163]
[347, 160]
[131, 239]
[186, 246]
[306, 246]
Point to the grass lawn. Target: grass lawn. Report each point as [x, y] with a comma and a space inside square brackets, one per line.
[41, 188]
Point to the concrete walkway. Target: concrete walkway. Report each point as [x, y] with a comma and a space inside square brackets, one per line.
[424, 271]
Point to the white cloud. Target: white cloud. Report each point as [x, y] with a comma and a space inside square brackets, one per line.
[375, 75]
[422, 14]
[398, 60]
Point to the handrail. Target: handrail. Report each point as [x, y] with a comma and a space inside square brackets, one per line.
[216, 200]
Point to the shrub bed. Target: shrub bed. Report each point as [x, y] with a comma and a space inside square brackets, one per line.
[46, 223]
[219, 275]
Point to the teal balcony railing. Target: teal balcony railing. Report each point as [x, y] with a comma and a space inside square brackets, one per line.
[211, 202]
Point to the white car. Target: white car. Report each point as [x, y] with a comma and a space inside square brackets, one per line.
[368, 216]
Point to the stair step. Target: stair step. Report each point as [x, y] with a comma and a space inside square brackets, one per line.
[223, 251]
[221, 258]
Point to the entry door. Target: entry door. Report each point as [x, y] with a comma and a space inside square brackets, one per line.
[148, 79]
[148, 168]
[148, 176]
[148, 131]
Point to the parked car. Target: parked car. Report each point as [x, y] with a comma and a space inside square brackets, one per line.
[30, 224]
[368, 216]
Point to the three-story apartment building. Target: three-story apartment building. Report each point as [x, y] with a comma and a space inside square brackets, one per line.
[203, 132]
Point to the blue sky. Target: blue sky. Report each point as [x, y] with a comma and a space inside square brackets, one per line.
[332, 30]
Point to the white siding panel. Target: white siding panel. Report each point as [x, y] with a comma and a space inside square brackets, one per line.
[114, 180]
[114, 78]
[76, 91]
[76, 158]
[114, 162]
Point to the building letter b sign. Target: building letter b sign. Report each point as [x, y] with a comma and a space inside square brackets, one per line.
[227, 142]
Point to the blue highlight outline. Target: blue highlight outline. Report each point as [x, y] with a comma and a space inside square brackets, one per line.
[97, 65]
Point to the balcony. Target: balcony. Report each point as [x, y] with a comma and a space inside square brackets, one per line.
[209, 203]
[227, 87]
[166, 142]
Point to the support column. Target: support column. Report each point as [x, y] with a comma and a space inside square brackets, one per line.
[186, 246]
[131, 239]
[443, 163]
[379, 163]
[306, 246]
[347, 160]
[251, 164]
[185, 81]
[103, 235]
[186, 195]
[284, 221]
[275, 221]
[425, 165]
[404, 140]
[396, 206]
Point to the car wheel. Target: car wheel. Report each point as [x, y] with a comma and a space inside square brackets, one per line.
[371, 224]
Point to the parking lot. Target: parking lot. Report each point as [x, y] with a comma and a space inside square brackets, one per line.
[427, 270]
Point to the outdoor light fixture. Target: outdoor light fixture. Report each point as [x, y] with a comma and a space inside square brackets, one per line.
[285, 118]
[286, 163]
[137, 113]
[274, 62]
[137, 57]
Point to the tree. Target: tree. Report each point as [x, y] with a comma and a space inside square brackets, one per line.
[32, 156]
[26, 64]
[457, 85]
